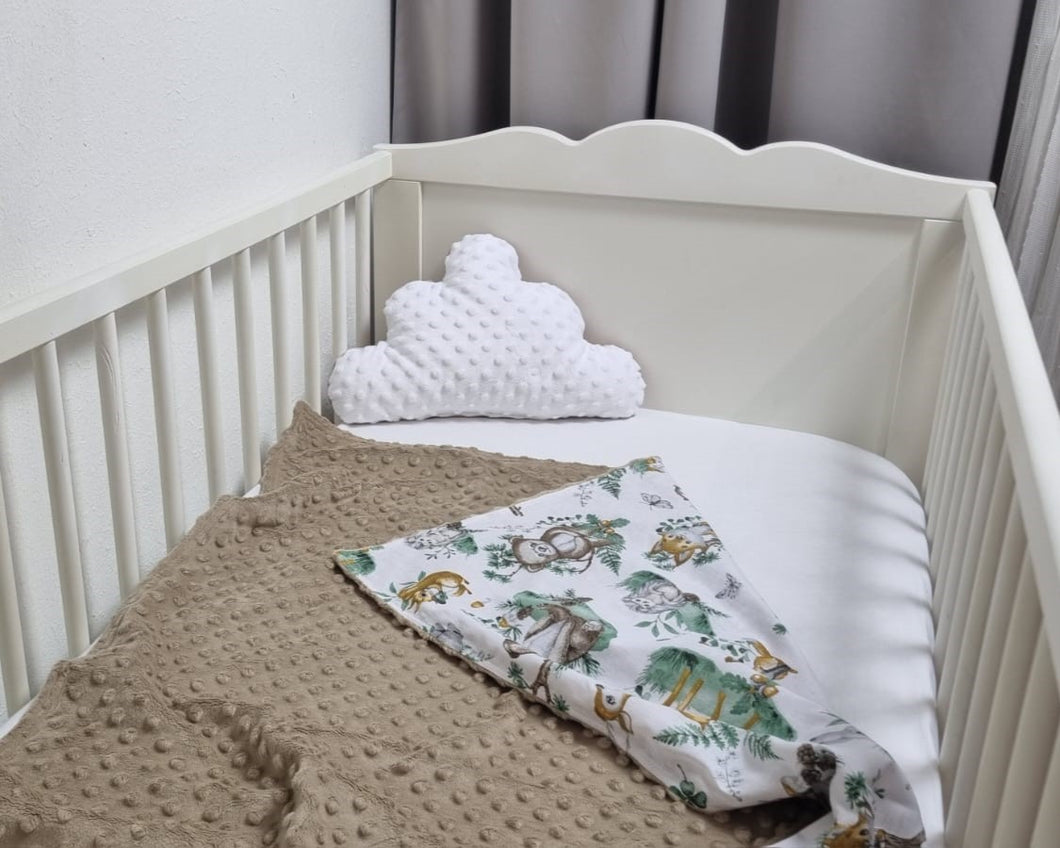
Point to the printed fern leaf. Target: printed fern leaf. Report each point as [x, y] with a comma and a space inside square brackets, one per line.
[717, 734]
[760, 746]
[515, 674]
[612, 482]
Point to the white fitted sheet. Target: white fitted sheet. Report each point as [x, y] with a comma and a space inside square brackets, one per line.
[832, 536]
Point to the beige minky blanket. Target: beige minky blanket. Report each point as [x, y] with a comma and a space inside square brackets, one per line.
[247, 694]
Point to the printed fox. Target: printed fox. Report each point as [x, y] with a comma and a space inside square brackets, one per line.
[432, 585]
[681, 543]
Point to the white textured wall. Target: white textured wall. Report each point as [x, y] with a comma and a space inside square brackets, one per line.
[123, 125]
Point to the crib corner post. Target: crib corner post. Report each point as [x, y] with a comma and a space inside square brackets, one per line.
[397, 241]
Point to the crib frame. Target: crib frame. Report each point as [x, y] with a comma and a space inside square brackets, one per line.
[948, 384]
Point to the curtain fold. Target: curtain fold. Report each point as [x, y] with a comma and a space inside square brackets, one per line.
[690, 61]
[577, 67]
[918, 85]
[1028, 201]
[451, 68]
[915, 84]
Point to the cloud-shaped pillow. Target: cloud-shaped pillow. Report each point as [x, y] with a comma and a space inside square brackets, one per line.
[483, 342]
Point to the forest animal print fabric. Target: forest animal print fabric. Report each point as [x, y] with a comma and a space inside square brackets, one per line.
[613, 602]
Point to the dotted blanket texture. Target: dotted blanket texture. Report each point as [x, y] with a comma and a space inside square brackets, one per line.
[484, 342]
[247, 694]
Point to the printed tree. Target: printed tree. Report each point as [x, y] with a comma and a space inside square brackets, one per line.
[717, 697]
[355, 562]
[860, 794]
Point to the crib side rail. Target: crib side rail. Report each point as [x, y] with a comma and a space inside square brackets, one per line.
[992, 495]
[38, 325]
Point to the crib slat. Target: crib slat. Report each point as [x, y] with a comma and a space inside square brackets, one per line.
[946, 542]
[954, 465]
[281, 359]
[310, 312]
[943, 425]
[970, 533]
[966, 487]
[247, 368]
[946, 381]
[973, 690]
[339, 297]
[165, 417]
[206, 340]
[12, 648]
[1008, 686]
[116, 446]
[61, 496]
[362, 316]
[963, 408]
[1047, 826]
[968, 632]
[1029, 763]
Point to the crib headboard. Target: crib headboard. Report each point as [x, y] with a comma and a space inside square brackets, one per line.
[868, 256]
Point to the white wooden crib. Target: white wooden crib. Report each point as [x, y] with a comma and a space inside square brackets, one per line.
[795, 286]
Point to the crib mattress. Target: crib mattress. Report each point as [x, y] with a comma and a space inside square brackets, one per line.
[832, 536]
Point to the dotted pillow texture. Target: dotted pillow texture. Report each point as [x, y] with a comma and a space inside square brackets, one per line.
[484, 342]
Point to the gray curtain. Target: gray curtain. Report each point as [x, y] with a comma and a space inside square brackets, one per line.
[1028, 201]
[914, 83]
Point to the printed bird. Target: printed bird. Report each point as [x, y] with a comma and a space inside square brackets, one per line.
[768, 667]
[613, 710]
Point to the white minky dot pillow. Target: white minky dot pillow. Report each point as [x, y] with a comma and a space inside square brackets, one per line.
[483, 342]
